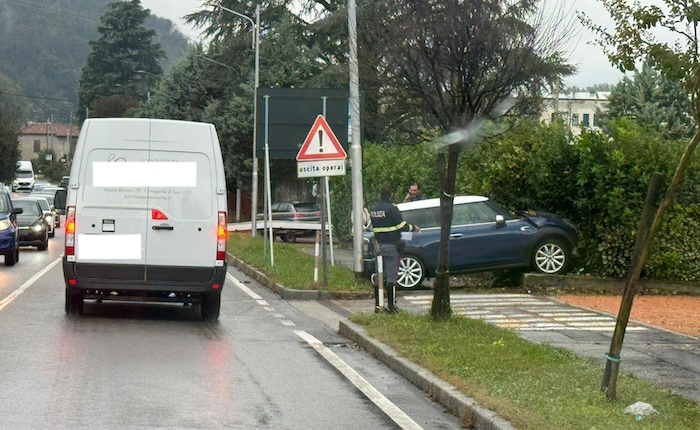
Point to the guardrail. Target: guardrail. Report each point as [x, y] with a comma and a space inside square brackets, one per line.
[277, 225]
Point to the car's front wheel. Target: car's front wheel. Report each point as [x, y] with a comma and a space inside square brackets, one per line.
[551, 257]
[12, 257]
[411, 273]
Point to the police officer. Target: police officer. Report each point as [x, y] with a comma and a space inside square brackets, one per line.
[388, 224]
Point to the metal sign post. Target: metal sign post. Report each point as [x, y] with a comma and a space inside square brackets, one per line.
[321, 155]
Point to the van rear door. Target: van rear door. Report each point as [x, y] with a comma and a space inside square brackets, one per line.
[183, 207]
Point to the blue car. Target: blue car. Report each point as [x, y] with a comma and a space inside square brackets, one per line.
[9, 240]
[484, 237]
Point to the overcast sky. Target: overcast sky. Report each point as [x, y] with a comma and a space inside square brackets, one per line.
[593, 66]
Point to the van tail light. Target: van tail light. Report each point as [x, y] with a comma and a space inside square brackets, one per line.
[221, 233]
[70, 232]
[158, 215]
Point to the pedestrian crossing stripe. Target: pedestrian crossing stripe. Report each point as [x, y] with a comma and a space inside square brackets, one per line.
[523, 312]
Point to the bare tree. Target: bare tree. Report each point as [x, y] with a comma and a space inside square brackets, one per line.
[452, 64]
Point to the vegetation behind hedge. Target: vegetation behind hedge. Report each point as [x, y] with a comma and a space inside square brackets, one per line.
[598, 181]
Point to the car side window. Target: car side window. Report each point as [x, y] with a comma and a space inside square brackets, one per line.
[423, 218]
[472, 213]
[482, 212]
[275, 207]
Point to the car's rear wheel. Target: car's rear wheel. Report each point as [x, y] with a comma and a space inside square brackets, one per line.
[74, 302]
[551, 256]
[211, 306]
[411, 273]
[290, 237]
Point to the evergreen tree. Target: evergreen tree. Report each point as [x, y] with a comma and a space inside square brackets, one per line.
[654, 101]
[10, 110]
[122, 58]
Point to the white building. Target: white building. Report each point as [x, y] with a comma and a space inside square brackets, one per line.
[578, 109]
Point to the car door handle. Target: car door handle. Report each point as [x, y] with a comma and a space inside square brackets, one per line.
[455, 236]
[163, 227]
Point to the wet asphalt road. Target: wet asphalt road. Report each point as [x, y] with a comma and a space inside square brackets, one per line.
[264, 364]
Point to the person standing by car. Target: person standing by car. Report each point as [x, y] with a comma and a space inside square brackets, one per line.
[388, 223]
[414, 193]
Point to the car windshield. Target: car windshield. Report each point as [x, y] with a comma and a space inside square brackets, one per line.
[306, 207]
[48, 197]
[29, 207]
[25, 175]
[44, 204]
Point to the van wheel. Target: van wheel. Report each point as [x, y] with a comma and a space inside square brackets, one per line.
[290, 237]
[211, 305]
[74, 302]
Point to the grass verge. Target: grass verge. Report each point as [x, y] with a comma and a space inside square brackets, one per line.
[293, 267]
[534, 386]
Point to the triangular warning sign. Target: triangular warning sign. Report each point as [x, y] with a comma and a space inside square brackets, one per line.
[321, 143]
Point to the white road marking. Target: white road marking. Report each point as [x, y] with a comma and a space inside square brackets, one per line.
[389, 408]
[7, 300]
[243, 288]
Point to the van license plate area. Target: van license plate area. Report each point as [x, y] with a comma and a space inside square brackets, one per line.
[108, 226]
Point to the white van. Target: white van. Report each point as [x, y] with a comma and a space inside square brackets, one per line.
[24, 176]
[146, 214]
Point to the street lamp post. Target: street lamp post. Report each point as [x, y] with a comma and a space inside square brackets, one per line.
[256, 45]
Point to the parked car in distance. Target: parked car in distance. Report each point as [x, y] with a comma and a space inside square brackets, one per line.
[33, 230]
[49, 214]
[484, 237]
[64, 182]
[50, 197]
[9, 231]
[293, 212]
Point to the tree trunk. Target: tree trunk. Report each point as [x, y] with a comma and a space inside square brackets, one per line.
[440, 308]
[610, 377]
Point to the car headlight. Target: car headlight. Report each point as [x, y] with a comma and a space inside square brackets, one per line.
[5, 224]
[38, 226]
[48, 218]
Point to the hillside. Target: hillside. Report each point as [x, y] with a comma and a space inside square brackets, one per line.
[43, 46]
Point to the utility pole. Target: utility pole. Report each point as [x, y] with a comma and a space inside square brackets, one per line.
[355, 146]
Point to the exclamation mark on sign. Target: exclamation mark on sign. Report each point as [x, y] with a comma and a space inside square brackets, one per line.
[320, 141]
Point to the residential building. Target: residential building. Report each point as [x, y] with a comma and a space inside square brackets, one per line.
[577, 109]
[39, 136]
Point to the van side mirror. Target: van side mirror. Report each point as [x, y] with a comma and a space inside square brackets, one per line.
[17, 211]
[60, 201]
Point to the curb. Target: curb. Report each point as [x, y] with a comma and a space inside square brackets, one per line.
[469, 413]
[541, 282]
[289, 294]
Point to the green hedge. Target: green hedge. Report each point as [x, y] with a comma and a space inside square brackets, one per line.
[597, 180]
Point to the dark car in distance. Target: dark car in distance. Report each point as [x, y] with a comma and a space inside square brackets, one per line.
[33, 230]
[484, 237]
[294, 212]
[9, 231]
